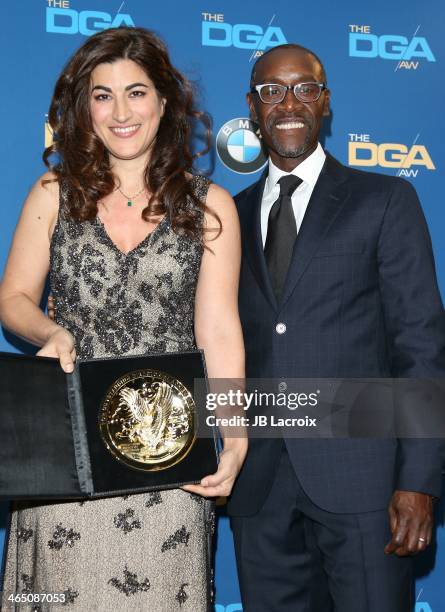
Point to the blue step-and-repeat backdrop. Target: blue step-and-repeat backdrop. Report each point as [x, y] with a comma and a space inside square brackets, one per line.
[385, 64]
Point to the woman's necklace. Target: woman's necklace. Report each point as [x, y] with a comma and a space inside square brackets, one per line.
[130, 198]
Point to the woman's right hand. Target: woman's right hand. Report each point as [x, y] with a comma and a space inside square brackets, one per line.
[61, 345]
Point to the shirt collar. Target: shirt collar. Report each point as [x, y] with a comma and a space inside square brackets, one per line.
[309, 169]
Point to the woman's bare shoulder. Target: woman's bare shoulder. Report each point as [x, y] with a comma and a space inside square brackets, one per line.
[42, 202]
[220, 200]
[46, 187]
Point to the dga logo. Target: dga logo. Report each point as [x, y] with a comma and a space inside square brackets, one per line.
[239, 147]
[364, 44]
[423, 606]
[69, 21]
[217, 33]
[363, 152]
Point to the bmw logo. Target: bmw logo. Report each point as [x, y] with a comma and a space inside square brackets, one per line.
[239, 146]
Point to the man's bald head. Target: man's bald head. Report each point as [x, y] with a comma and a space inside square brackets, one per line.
[290, 47]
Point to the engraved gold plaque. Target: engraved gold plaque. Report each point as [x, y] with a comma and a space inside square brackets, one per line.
[148, 420]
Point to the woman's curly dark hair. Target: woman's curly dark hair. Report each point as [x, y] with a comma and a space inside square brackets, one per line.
[83, 163]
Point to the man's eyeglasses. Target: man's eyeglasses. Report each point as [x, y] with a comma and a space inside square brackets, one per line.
[271, 93]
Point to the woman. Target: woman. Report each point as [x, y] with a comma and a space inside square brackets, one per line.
[143, 257]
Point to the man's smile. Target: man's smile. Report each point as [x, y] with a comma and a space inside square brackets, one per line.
[290, 125]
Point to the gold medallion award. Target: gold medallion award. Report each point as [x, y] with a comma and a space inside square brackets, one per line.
[147, 420]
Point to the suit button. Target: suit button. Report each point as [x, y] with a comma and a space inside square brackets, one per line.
[281, 328]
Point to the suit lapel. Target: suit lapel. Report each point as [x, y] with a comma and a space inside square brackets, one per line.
[327, 199]
[250, 218]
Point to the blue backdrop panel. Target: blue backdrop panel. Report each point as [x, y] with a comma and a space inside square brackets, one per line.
[384, 63]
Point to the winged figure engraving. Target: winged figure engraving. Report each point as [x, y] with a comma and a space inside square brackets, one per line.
[149, 417]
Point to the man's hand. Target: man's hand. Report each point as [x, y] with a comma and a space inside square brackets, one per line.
[411, 521]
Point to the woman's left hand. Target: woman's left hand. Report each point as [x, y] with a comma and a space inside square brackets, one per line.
[221, 482]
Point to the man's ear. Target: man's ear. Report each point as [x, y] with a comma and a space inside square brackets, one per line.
[251, 104]
[327, 103]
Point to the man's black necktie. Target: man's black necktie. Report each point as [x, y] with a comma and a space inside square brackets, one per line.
[281, 234]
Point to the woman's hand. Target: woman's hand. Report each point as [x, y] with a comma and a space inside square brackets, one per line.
[60, 344]
[221, 482]
[51, 307]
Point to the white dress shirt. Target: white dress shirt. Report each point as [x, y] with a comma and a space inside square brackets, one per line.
[309, 171]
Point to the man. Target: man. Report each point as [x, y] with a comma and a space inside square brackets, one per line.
[337, 281]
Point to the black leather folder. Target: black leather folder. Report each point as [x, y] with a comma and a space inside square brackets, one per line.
[51, 441]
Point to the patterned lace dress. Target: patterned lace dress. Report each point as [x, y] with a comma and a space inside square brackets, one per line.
[150, 551]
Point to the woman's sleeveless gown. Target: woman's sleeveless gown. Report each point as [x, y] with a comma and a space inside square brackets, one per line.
[150, 551]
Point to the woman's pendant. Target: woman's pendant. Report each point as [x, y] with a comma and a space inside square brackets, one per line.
[129, 203]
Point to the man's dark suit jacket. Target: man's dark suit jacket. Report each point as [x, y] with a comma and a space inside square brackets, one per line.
[360, 300]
